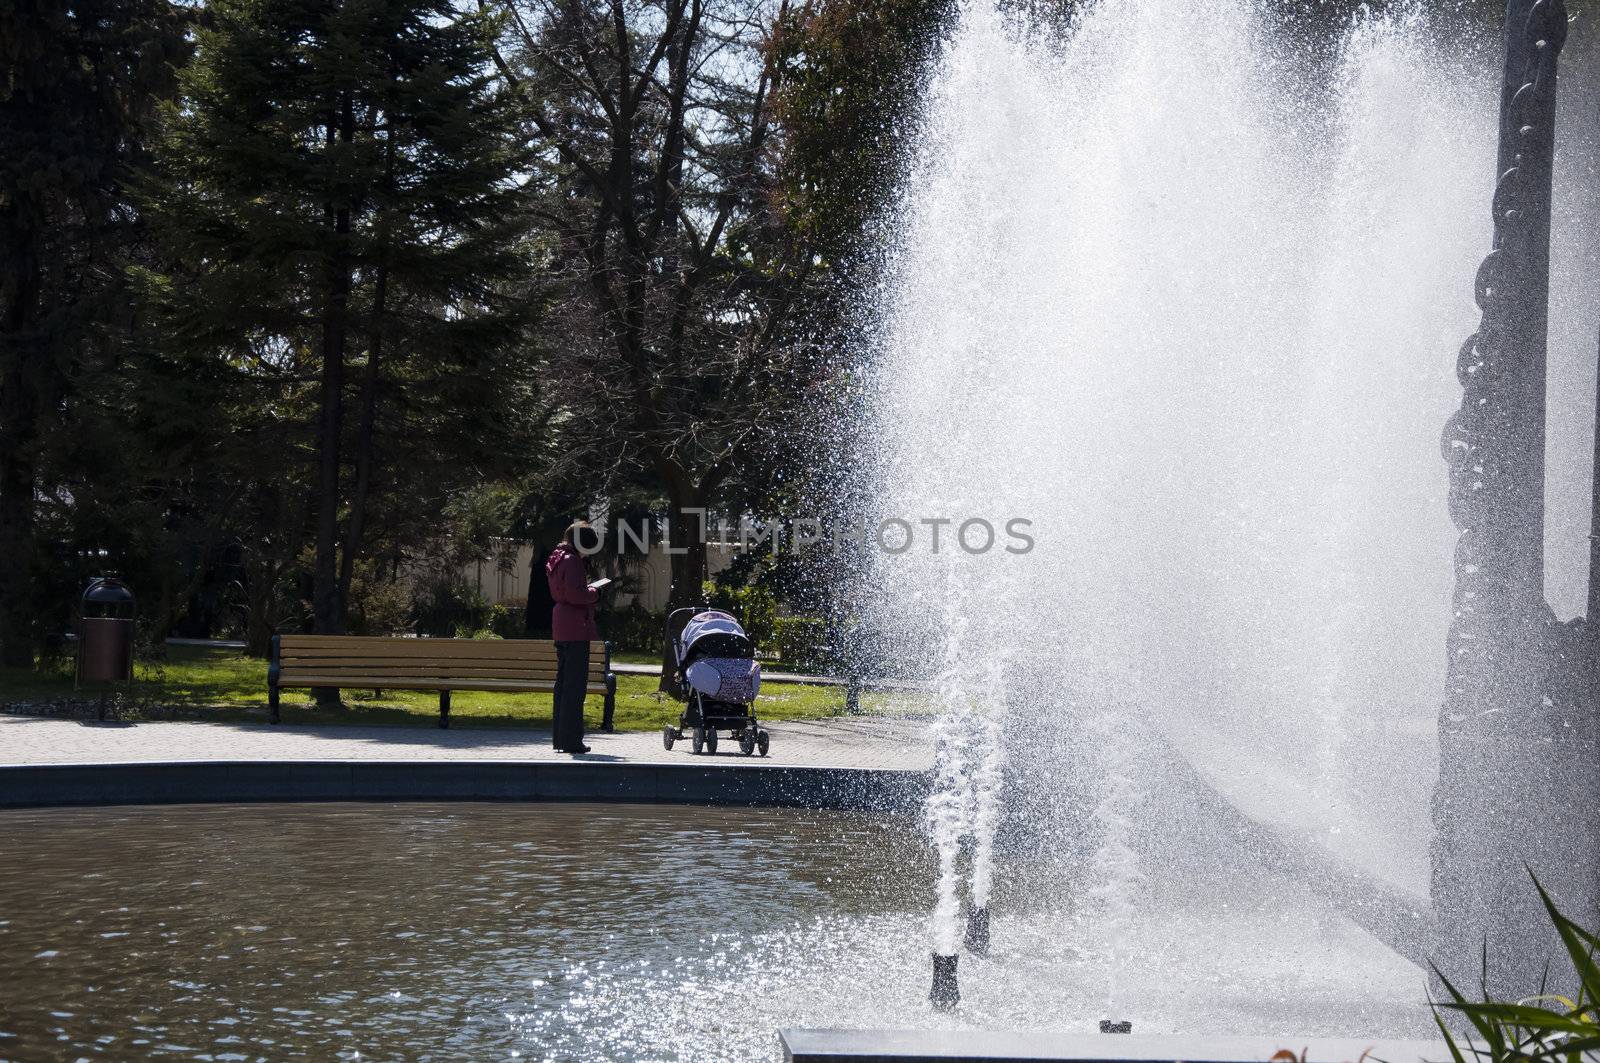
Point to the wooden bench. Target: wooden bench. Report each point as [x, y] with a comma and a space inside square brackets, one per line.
[360, 662]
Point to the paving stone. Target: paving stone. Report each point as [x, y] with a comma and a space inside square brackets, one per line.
[842, 742]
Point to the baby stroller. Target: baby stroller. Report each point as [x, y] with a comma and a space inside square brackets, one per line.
[710, 666]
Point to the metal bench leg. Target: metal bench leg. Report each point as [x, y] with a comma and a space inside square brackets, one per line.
[444, 708]
[274, 669]
[606, 723]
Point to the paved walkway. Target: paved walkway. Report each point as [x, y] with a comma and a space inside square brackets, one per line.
[840, 742]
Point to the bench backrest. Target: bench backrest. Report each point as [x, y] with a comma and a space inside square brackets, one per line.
[364, 659]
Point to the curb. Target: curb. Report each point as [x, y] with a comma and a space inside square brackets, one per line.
[214, 781]
[1045, 1046]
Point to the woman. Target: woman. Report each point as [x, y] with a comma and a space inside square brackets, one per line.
[573, 628]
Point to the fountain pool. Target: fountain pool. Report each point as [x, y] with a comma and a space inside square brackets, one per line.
[606, 932]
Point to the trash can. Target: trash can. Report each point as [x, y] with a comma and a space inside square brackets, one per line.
[105, 632]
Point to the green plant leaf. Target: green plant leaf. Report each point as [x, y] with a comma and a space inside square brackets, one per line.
[1449, 1038]
[1580, 944]
[1536, 1019]
[1487, 1028]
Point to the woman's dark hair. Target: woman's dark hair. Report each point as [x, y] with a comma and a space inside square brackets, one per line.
[581, 536]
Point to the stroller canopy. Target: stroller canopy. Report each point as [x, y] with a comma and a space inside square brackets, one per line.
[706, 627]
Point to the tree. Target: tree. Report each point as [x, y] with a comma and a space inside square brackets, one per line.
[852, 78]
[337, 193]
[78, 85]
[675, 273]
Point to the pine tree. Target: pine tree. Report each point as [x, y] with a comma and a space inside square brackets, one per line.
[339, 190]
[78, 84]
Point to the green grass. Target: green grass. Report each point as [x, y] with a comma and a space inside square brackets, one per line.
[224, 685]
[636, 657]
[654, 659]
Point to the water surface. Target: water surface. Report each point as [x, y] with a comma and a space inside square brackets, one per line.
[603, 932]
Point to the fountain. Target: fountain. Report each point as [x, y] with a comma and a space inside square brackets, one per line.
[1171, 331]
[1181, 286]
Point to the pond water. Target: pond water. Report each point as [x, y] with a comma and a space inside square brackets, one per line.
[605, 932]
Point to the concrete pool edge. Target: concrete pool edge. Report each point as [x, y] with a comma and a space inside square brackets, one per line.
[1014, 1046]
[213, 781]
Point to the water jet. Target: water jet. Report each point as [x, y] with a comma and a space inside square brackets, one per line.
[977, 938]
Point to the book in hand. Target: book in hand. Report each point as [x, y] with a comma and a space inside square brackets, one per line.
[600, 584]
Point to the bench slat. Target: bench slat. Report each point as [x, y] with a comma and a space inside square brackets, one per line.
[384, 663]
[420, 658]
[292, 675]
[402, 653]
[288, 673]
[294, 646]
[378, 682]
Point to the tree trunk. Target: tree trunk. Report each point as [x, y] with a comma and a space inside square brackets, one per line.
[18, 430]
[17, 488]
[686, 542]
[536, 618]
[369, 402]
[261, 606]
[364, 441]
[327, 608]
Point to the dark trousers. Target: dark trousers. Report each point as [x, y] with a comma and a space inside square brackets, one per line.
[572, 680]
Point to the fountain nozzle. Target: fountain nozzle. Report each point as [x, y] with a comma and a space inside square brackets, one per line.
[1108, 1026]
[977, 940]
[945, 994]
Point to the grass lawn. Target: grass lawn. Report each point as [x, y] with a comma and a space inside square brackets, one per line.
[654, 660]
[203, 683]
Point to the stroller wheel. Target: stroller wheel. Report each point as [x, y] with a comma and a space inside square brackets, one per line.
[668, 736]
[698, 738]
[763, 740]
[711, 741]
[747, 742]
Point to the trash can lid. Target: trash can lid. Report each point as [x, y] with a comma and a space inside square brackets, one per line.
[108, 590]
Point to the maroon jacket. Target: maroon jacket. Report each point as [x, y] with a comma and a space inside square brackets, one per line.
[572, 619]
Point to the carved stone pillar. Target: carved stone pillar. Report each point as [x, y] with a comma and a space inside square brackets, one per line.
[1502, 764]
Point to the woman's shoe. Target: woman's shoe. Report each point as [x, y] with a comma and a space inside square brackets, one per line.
[576, 751]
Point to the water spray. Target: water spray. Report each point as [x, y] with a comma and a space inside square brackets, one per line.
[977, 939]
[985, 781]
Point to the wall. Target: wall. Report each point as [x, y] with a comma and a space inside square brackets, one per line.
[503, 577]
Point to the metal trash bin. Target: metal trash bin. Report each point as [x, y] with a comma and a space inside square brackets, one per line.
[105, 632]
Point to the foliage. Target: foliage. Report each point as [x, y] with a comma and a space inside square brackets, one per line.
[353, 232]
[443, 604]
[850, 81]
[802, 642]
[675, 276]
[379, 605]
[341, 228]
[635, 629]
[753, 606]
[79, 87]
[503, 623]
[507, 619]
[1545, 1027]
